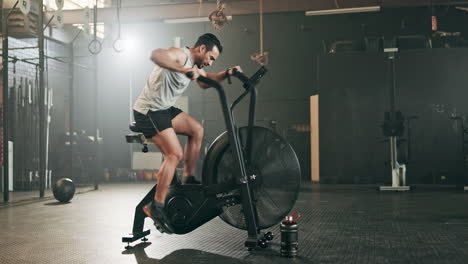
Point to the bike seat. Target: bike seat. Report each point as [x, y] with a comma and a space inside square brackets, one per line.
[133, 127]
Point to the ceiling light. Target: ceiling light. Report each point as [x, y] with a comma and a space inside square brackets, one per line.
[343, 11]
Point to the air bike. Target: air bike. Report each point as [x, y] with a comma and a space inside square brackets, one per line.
[251, 177]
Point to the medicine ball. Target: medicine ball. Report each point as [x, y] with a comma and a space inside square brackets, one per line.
[63, 190]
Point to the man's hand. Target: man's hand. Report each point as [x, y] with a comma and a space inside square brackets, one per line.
[230, 71]
[196, 73]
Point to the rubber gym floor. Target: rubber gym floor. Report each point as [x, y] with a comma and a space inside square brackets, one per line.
[339, 224]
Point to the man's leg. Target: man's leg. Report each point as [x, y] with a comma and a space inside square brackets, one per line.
[186, 125]
[169, 145]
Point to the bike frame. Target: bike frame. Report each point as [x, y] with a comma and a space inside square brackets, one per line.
[250, 211]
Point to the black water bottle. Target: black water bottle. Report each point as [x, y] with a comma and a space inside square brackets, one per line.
[289, 237]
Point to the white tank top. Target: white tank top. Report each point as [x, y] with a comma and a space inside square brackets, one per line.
[163, 88]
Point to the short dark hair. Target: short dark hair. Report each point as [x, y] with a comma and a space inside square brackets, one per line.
[209, 40]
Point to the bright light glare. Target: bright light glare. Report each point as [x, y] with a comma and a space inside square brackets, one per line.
[130, 45]
[127, 45]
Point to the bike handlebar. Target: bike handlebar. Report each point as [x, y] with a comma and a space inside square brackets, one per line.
[236, 73]
[189, 75]
[239, 75]
[205, 80]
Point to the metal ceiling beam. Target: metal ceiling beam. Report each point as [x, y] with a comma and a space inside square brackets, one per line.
[159, 12]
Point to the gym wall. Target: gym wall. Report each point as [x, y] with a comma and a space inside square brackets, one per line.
[297, 69]
[430, 85]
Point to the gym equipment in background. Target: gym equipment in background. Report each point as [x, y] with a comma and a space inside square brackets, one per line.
[393, 128]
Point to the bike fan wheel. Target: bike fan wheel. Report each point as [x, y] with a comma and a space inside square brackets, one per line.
[277, 175]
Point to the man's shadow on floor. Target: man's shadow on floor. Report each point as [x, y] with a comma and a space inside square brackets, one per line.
[194, 256]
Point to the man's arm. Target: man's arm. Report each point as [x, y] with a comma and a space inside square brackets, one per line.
[172, 59]
[219, 77]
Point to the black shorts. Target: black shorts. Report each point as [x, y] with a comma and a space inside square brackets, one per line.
[155, 121]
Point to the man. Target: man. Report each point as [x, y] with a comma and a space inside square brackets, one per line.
[155, 114]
